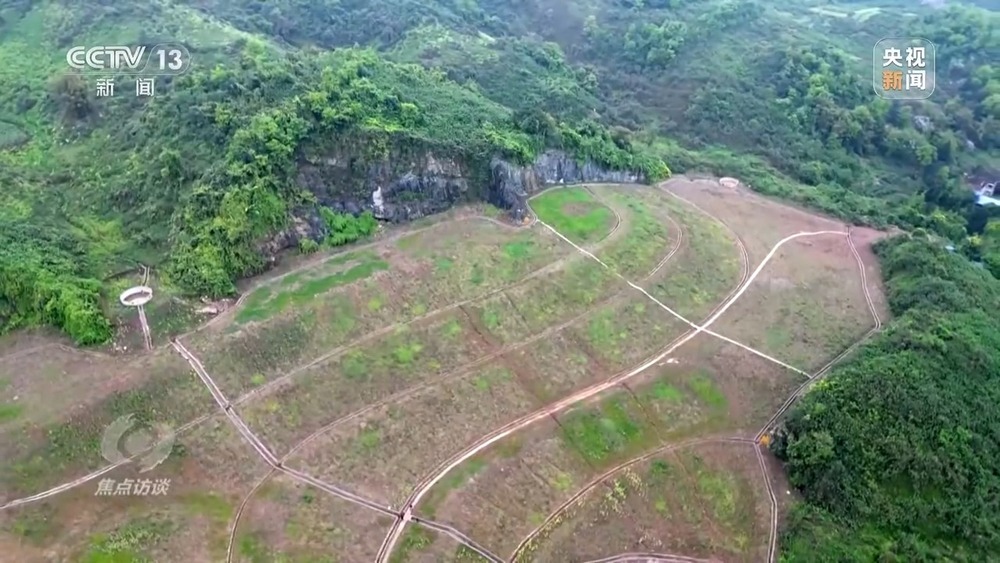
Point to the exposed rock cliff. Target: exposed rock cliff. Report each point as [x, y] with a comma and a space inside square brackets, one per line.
[401, 187]
[510, 185]
[406, 186]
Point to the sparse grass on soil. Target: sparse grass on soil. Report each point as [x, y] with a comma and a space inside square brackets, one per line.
[760, 222]
[575, 213]
[289, 521]
[705, 269]
[647, 234]
[381, 321]
[415, 435]
[409, 289]
[400, 360]
[706, 501]
[299, 288]
[41, 450]
[805, 307]
[208, 472]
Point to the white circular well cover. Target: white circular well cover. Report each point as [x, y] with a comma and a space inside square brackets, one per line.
[136, 296]
[729, 182]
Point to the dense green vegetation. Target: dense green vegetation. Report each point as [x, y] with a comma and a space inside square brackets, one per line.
[196, 179]
[895, 452]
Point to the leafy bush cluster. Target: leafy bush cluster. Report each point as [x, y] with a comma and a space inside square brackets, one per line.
[345, 228]
[895, 452]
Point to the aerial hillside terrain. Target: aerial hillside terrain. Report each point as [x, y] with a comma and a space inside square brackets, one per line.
[499, 280]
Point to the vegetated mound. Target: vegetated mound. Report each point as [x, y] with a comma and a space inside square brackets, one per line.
[207, 176]
[894, 453]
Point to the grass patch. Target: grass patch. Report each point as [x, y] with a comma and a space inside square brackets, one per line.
[453, 480]
[647, 237]
[263, 304]
[704, 270]
[600, 434]
[575, 213]
[368, 440]
[209, 504]
[126, 544]
[414, 539]
[706, 391]
[10, 411]
[663, 391]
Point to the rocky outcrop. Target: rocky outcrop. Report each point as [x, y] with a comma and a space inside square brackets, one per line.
[409, 185]
[401, 187]
[511, 185]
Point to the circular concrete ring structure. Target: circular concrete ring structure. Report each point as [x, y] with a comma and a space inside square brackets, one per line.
[729, 182]
[136, 296]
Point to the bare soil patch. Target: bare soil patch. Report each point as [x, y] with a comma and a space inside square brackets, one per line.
[73, 397]
[805, 307]
[208, 474]
[760, 222]
[864, 238]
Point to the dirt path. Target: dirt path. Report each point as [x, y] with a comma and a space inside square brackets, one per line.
[595, 482]
[427, 484]
[259, 446]
[772, 532]
[673, 250]
[147, 337]
[444, 469]
[406, 515]
[650, 558]
[265, 389]
[458, 372]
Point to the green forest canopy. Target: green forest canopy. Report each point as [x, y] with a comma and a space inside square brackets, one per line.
[896, 452]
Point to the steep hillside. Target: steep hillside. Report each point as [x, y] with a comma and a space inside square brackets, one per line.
[201, 176]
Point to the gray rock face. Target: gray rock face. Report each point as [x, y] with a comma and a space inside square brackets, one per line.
[401, 187]
[511, 185]
[407, 186]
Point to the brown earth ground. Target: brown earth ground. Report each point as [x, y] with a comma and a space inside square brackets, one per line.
[704, 501]
[805, 307]
[298, 351]
[708, 388]
[760, 222]
[287, 520]
[208, 474]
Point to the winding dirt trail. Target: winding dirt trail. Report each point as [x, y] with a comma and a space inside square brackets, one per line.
[773, 524]
[147, 337]
[595, 482]
[259, 446]
[425, 485]
[458, 372]
[405, 516]
[265, 389]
